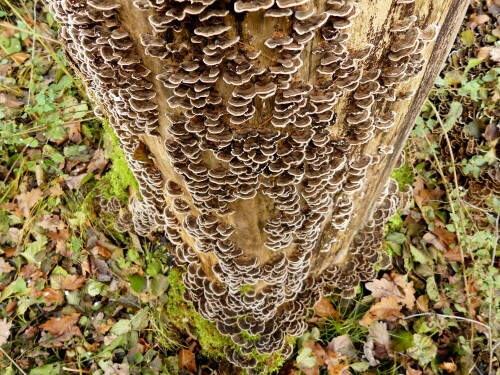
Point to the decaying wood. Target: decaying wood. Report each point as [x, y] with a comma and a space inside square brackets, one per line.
[262, 135]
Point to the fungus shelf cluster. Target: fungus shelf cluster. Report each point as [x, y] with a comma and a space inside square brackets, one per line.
[245, 121]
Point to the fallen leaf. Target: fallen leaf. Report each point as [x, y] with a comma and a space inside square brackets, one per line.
[74, 131]
[406, 288]
[5, 267]
[383, 288]
[4, 331]
[64, 324]
[411, 371]
[19, 57]
[52, 296]
[477, 20]
[118, 369]
[74, 182]
[187, 360]
[433, 240]
[343, 345]
[449, 367]
[10, 101]
[28, 200]
[381, 340]
[325, 308]
[368, 352]
[56, 190]
[388, 308]
[72, 282]
[495, 54]
[98, 162]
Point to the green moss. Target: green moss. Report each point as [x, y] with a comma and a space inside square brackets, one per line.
[404, 176]
[246, 288]
[182, 313]
[116, 182]
[395, 223]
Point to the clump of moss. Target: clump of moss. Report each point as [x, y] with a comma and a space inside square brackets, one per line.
[395, 223]
[404, 176]
[181, 313]
[117, 181]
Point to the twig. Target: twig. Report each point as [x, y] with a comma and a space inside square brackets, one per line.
[450, 317]
[14, 362]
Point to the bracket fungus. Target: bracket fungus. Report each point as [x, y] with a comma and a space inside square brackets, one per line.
[267, 131]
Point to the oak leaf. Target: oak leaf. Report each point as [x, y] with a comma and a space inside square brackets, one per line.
[27, 201]
[388, 308]
[5, 267]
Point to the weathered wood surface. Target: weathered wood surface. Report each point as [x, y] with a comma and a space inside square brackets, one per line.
[287, 191]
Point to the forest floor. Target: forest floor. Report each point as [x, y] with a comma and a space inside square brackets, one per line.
[79, 297]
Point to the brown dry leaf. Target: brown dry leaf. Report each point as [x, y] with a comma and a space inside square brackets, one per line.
[383, 288]
[4, 331]
[406, 287]
[74, 182]
[396, 285]
[27, 200]
[72, 282]
[368, 352]
[449, 367]
[98, 162]
[484, 53]
[495, 54]
[52, 296]
[388, 308]
[410, 371]
[118, 369]
[19, 57]
[433, 240]
[50, 222]
[423, 303]
[56, 190]
[338, 369]
[477, 20]
[325, 308]
[74, 132]
[62, 325]
[424, 196]
[343, 345]
[10, 101]
[381, 340]
[187, 360]
[30, 271]
[5, 267]
[61, 238]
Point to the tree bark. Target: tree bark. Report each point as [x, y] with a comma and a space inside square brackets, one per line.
[262, 135]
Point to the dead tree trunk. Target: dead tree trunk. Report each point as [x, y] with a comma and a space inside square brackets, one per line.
[262, 134]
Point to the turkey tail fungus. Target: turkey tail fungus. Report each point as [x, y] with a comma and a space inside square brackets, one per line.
[262, 134]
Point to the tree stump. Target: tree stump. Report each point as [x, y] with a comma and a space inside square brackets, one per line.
[262, 134]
